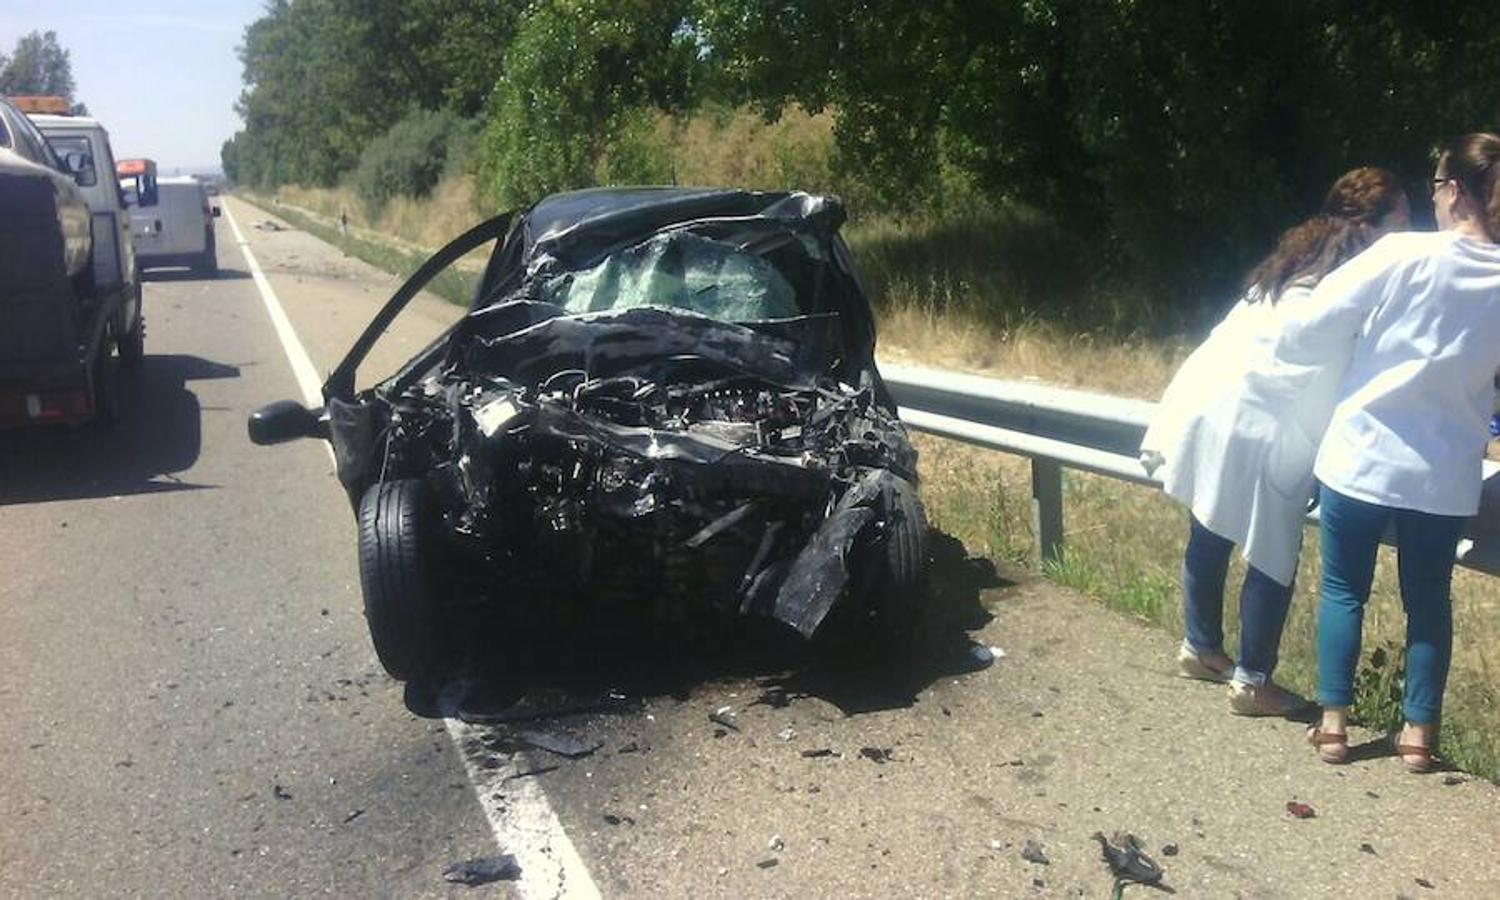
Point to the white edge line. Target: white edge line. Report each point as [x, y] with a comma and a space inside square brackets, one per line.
[520, 817]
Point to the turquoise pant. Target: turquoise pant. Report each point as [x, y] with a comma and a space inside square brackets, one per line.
[1425, 545]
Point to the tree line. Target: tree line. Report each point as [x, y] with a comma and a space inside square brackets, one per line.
[1177, 137]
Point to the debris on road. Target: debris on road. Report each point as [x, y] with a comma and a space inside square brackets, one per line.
[353, 815]
[483, 870]
[1032, 852]
[1301, 810]
[1127, 861]
[819, 753]
[280, 792]
[724, 715]
[787, 733]
[612, 819]
[771, 863]
[1451, 780]
[561, 744]
[777, 844]
[1169, 850]
[268, 225]
[877, 755]
[1368, 848]
[776, 698]
[530, 773]
[1422, 882]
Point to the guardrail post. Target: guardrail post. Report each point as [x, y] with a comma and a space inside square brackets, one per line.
[1047, 509]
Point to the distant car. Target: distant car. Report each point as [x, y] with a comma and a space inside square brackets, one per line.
[662, 403]
[179, 230]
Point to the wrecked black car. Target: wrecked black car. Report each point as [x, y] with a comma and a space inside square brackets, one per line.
[662, 405]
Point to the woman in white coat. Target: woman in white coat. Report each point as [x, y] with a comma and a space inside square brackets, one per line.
[1235, 435]
[1414, 323]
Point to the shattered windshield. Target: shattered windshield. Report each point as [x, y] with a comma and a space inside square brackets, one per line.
[743, 278]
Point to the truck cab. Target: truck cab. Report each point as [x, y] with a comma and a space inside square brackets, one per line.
[83, 146]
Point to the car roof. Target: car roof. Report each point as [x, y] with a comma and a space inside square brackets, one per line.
[646, 208]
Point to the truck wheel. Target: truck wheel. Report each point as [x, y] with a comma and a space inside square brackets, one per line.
[132, 344]
[902, 611]
[106, 383]
[403, 590]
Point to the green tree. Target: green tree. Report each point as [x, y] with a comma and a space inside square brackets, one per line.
[39, 65]
[574, 77]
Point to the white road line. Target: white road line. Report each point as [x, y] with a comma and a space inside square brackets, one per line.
[307, 375]
[522, 821]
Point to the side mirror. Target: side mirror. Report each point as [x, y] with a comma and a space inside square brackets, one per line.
[285, 420]
[77, 163]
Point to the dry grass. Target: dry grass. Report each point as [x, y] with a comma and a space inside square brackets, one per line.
[422, 222]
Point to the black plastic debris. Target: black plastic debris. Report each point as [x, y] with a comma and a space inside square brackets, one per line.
[768, 863]
[530, 773]
[1171, 849]
[1129, 863]
[483, 870]
[1422, 882]
[561, 744]
[819, 753]
[776, 698]
[612, 819]
[877, 755]
[724, 715]
[353, 815]
[1032, 852]
[1451, 780]
[280, 792]
[1367, 848]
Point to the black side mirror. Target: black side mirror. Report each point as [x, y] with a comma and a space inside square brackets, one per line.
[286, 420]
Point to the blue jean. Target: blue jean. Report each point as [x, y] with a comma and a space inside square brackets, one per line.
[1425, 544]
[1263, 605]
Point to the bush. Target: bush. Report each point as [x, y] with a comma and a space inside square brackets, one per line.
[408, 160]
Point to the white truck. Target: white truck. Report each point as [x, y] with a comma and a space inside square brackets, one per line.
[179, 230]
[83, 146]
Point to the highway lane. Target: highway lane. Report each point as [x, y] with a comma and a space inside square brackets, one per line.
[165, 663]
[188, 701]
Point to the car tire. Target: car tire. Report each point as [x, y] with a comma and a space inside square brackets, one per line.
[403, 589]
[132, 345]
[900, 597]
[208, 261]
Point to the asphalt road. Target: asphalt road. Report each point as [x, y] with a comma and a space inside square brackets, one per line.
[189, 705]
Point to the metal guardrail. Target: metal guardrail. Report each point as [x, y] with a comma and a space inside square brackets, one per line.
[1061, 428]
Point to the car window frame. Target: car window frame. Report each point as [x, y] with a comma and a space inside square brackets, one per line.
[93, 169]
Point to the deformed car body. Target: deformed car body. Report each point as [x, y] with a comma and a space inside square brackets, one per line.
[663, 402]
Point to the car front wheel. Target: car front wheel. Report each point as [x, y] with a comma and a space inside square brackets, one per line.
[403, 588]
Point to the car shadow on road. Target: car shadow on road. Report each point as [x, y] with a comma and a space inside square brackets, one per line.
[185, 274]
[845, 667]
[159, 435]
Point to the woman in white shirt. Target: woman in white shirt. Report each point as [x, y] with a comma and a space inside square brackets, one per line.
[1220, 437]
[1414, 325]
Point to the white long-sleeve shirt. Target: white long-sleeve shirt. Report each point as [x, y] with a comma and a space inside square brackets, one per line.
[1415, 323]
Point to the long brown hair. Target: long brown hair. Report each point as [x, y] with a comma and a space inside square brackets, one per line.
[1342, 228]
[1474, 162]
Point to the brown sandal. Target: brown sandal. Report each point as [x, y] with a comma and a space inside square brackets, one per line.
[1332, 748]
[1417, 758]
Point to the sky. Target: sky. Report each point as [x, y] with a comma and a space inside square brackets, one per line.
[161, 76]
